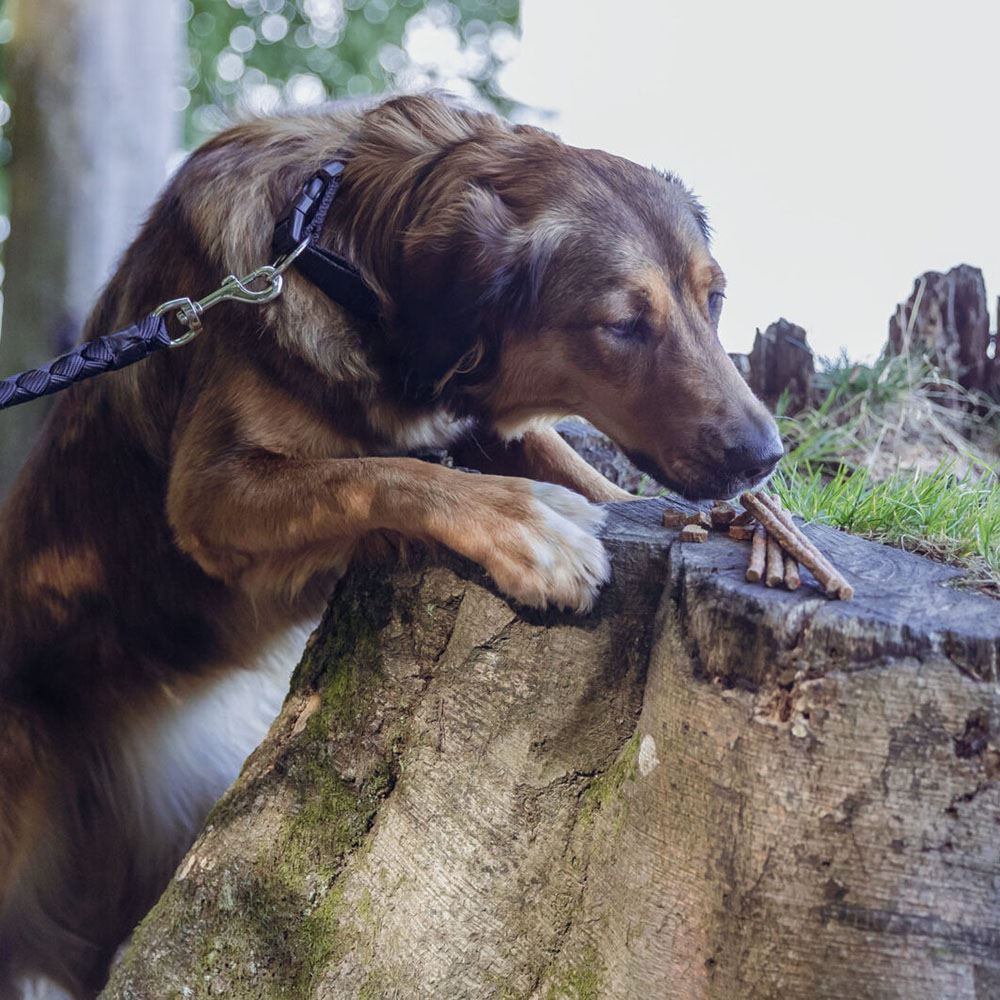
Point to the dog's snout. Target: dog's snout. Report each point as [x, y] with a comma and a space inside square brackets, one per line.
[755, 456]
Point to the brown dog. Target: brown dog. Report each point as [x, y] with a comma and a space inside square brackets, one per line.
[178, 527]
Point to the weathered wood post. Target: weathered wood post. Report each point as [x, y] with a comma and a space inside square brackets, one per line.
[946, 322]
[704, 789]
[782, 361]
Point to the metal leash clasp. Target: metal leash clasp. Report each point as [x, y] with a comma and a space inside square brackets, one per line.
[188, 312]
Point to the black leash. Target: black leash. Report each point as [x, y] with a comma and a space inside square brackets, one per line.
[105, 354]
[292, 243]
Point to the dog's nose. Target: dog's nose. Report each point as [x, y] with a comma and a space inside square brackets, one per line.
[755, 456]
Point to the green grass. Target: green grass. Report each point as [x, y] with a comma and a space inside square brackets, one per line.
[898, 454]
[939, 514]
[891, 412]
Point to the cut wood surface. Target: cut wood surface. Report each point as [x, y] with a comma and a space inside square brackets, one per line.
[703, 789]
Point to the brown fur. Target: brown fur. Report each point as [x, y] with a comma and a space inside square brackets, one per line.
[178, 516]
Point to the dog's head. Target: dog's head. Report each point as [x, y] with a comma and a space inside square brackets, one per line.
[539, 279]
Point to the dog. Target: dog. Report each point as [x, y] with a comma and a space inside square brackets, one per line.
[181, 523]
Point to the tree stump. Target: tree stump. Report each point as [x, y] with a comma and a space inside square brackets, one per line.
[994, 368]
[781, 361]
[946, 321]
[704, 789]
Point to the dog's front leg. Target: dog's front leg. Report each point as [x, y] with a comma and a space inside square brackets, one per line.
[253, 516]
[542, 455]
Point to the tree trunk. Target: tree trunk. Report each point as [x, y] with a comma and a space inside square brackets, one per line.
[781, 361]
[704, 789]
[95, 123]
[946, 322]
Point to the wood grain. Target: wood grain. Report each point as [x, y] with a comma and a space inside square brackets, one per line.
[704, 790]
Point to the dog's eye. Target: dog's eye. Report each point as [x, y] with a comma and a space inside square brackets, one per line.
[633, 328]
[715, 305]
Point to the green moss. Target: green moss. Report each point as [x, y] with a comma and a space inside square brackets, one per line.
[580, 981]
[284, 920]
[277, 923]
[605, 789]
[375, 987]
[345, 646]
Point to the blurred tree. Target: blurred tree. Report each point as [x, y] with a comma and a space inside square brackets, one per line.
[257, 55]
[93, 85]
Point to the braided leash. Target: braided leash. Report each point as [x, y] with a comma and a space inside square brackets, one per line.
[116, 350]
[292, 242]
[105, 354]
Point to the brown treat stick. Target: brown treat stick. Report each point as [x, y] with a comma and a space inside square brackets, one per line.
[792, 540]
[843, 589]
[792, 578]
[741, 532]
[758, 554]
[774, 573]
[693, 533]
[795, 543]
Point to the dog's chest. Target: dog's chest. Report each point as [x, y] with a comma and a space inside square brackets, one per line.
[185, 758]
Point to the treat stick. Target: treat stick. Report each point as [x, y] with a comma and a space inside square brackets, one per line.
[795, 543]
[758, 552]
[792, 578]
[833, 580]
[775, 562]
[843, 589]
[792, 540]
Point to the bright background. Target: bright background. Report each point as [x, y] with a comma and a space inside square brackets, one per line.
[841, 149]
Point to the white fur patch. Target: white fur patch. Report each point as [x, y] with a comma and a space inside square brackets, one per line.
[571, 564]
[42, 989]
[195, 751]
[427, 433]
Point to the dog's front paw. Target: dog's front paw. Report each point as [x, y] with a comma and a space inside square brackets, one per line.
[552, 556]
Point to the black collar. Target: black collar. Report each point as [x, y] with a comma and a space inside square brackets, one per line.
[329, 272]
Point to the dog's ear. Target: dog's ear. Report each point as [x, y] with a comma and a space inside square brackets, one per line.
[470, 272]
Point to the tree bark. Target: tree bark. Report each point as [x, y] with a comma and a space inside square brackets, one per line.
[782, 361]
[704, 789]
[946, 322]
[94, 125]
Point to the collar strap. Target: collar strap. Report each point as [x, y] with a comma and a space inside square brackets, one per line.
[332, 274]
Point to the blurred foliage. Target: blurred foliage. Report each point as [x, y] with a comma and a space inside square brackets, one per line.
[258, 55]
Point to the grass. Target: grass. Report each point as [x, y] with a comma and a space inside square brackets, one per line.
[939, 514]
[891, 414]
[898, 454]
